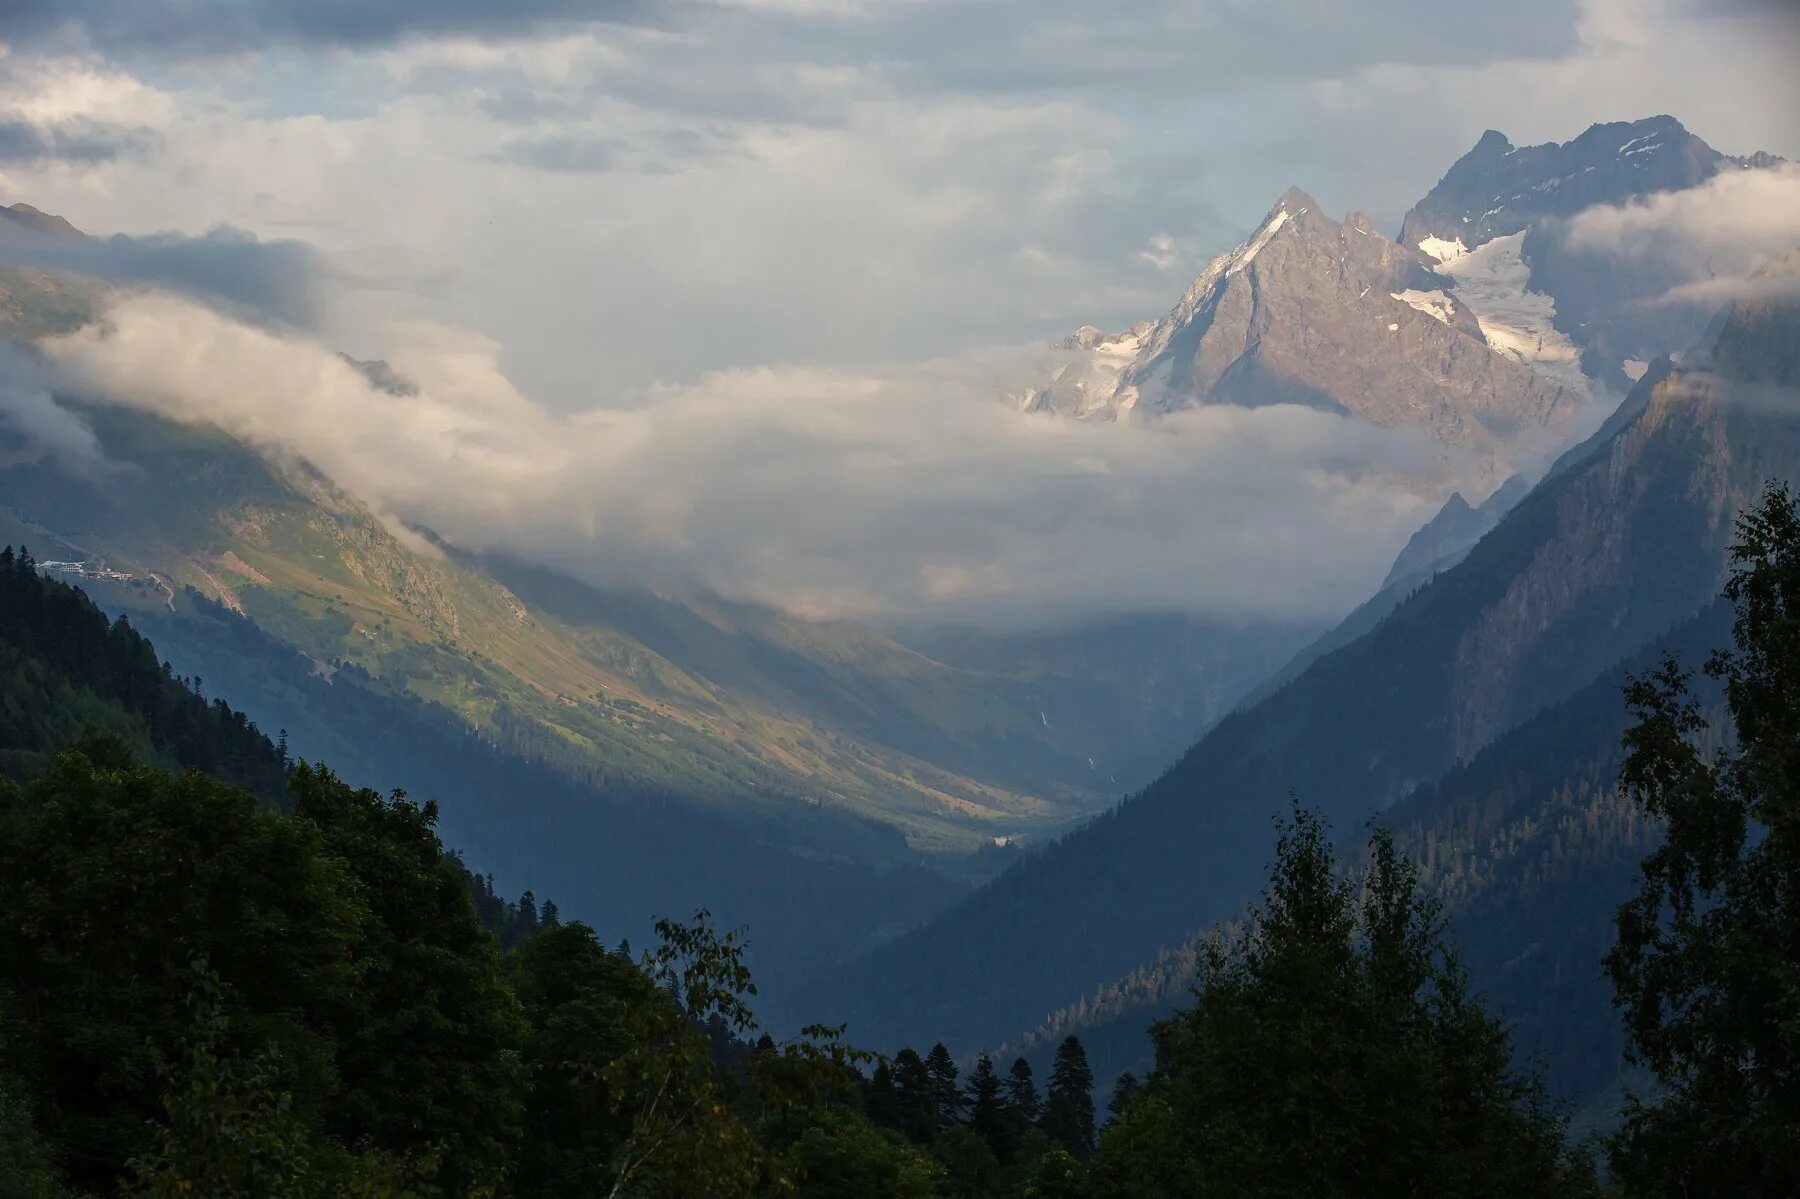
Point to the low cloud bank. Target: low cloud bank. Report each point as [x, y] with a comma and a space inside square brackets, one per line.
[1713, 238]
[910, 494]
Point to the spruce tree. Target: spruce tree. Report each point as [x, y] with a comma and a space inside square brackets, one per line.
[987, 1109]
[883, 1102]
[1124, 1091]
[1334, 1048]
[1069, 1108]
[946, 1098]
[1021, 1092]
[913, 1096]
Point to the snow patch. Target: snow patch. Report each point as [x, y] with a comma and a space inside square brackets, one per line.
[1443, 251]
[1393, 327]
[1431, 303]
[1492, 280]
[1244, 255]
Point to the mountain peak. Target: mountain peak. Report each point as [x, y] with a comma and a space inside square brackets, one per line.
[1498, 189]
[1294, 200]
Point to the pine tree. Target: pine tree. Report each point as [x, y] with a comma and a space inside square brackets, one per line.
[1069, 1108]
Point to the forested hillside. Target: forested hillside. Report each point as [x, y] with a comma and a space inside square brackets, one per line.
[202, 992]
[1626, 542]
[1532, 848]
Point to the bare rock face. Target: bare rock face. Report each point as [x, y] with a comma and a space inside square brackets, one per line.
[1327, 314]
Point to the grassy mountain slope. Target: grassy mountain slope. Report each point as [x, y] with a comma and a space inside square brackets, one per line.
[728, 703]
[1599, 561]
[617, 857]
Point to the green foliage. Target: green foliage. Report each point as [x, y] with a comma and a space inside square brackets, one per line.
[427, 1051]
[844, 1157]
[231, 1133]
[578, 999]
[1333, 1049]
[1705, 967]
[113, 879]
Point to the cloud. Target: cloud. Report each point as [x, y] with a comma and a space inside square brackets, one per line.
[33, 425]
[826, 492]
[229, 26]
[1734, 212]
[1708, 241]
[79, 141]
[273, 282]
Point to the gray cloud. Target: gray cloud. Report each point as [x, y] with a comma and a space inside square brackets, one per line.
[33, 425]
[75, 141]
[271, 282]
[1701, 245]
[229, 26]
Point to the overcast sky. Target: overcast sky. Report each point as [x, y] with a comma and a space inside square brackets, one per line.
[626, 204]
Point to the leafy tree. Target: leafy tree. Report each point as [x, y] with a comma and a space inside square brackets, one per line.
[841, 1157]
[680, 1138]
[113, 879]
[579, 1001]
[428, 1052]
[1069, 1106]
[1705, 964]
[1056, 1175]
[1333, 1050]
[231, 1132]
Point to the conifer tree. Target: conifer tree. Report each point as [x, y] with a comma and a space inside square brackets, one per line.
[1069, 1107]
[883, 1104]
[946, 1098]
[1021, 1093]
[1124, 1091]
[987, 1110]
[913, 1096]
[1334, 1049]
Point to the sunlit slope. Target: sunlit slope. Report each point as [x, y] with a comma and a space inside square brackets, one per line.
[719, 700]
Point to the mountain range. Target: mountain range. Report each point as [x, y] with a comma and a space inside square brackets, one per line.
[847, 789]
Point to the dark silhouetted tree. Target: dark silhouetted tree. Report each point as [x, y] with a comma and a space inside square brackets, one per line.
[1707, 964]
[1069, 1105]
